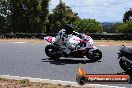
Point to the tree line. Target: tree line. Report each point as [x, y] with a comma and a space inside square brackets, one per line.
[126, 26]
[25, 16]
[33, 16]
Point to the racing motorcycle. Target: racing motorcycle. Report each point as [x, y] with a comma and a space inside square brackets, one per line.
[86, 49]
[125, 56]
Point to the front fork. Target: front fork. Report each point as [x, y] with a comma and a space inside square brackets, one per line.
[93, 48]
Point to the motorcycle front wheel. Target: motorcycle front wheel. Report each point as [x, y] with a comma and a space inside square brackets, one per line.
[94, 55]
[52, 52]
[126, 64]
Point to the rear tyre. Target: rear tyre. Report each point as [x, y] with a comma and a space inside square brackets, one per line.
[52, 52]
[125, 64]
[94, 55]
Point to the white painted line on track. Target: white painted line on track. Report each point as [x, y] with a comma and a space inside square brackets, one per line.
[19, 42]
[58, 82]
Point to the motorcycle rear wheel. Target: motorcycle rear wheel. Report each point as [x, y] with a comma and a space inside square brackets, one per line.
[94, 55]
[52, 52]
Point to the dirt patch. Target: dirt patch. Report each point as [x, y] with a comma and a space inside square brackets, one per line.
[97, 42]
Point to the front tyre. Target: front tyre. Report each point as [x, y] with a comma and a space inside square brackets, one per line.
[94, 55]
[52, 52]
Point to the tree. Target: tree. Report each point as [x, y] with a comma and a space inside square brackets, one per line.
[127, 16]
[61, 15]
[45, 13]
[2, 24]
[32, 15]
[124, 27]
[4, 13]
[25, 16]
[88, 26]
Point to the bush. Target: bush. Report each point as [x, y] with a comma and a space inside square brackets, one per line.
[124, 27]
[88, 26]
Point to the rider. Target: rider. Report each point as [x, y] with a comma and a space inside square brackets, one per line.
[62, 38]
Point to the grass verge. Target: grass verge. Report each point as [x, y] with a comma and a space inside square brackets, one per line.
[25, 83]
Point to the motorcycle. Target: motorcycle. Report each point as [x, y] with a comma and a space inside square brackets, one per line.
[125, 56]
[86, 49]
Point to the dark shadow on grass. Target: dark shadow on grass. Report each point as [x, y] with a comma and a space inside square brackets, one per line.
[66, 61]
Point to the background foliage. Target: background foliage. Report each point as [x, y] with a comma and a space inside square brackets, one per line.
[61, 15]
[126, 26]
[127, 16]
[88, 26]
[33, 16]
[25, 16]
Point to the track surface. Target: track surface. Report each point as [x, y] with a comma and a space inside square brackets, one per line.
[29, 60]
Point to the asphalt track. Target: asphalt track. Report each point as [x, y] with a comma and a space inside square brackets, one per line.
[29, 60]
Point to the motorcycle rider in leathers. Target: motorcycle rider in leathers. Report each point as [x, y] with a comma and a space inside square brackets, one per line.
[62, 38]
